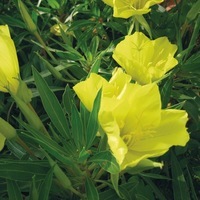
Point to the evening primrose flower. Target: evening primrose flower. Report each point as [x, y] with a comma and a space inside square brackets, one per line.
[128, 8]
[147, 131]
[56, 29]
[131, 116]
[111, 90]
[144, 59]
[9, 67]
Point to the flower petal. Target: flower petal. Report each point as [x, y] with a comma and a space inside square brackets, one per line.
[9, 67]
[108, 2]
[116, 144]
[144, 59]
[171, 131]
[143, 113]
[88, 89]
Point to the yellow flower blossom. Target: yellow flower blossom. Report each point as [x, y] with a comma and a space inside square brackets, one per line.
[56, 29]
[128, 8]
[9, 67]
[144, 59]
[131, 116]
[146, 131]
[111, 90]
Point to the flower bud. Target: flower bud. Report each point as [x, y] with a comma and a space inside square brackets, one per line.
[7, 130]
[23, 92]
[26, 17]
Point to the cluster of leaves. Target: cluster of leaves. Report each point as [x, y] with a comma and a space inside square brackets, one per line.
[86, 46]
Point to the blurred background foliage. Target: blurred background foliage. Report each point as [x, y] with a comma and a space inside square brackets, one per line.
[85, 43]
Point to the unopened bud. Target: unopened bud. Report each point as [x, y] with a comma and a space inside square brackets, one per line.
[23, 92]
[26, 17]
[7, 130]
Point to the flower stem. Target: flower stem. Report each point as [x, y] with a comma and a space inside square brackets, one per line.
[39, 38]
[24, 145]
[133, 20]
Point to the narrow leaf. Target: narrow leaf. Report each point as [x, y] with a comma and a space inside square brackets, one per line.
[77, 128]
[23, 170]
[166, 92]
[93, 124]
[107, 161]
[180, 188]
[49, 145]
[46, 186]
[51, 105]
[67, 99]
[13, 190]
[115, 180]
[91, 190]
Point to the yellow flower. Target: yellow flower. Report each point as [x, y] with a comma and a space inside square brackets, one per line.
[111, 91]
[56, 29]
[128, 8]
[144, 59]
[9, 68]
[146, 131]
[131, 116]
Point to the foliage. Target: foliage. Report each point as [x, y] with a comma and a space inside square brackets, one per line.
[67, 159]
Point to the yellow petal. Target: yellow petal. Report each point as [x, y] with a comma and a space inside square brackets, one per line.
[144, 59]
[115, 142]
[9, 68]
[109, 2]
[2, 141]
[88, 89]
[145, 110]
[171, 131]
[133, 54]
[132, 157]
[119, 79]
[4, 30]
[128, 8]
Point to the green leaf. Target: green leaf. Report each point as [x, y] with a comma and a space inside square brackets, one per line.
[193, 12]
[54, 4]
[154, 176]
[93, 124]
[48, 144]
[34, 190]
[115, 183]
[192, 185]
[77, 128]
[84, 115]
[144, 23]
[70, 53]
[12, 21]
[13, 190]
[83, 155]
[107, 161]
[46, 186]
[67, 99]
[166, 91]
[94, 45]
[52, 105]
[180, 188]
[91, 190]
[23, 170]
[154, 188]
